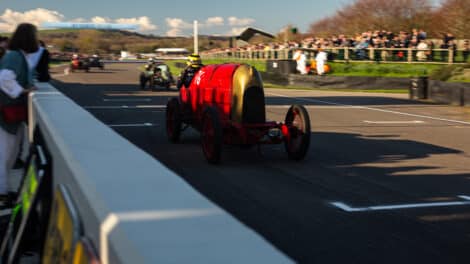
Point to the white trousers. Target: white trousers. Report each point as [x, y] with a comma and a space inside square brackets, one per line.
[320, 67]
[9, 147]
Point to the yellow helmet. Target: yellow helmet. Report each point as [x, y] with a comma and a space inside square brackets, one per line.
[194, 60]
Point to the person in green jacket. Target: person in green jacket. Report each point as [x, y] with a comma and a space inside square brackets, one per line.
[16, 81]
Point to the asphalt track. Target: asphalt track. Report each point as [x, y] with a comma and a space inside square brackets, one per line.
[386, 180]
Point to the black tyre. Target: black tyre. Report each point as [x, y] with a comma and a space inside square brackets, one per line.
[143, 81]
[211, 135]
[173, 120]
[298, 141]
[151, 83]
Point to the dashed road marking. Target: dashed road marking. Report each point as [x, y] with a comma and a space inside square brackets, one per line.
[394, 122]
[128, 100]
[134, 125]
[372, 109]
[350, 209]
[125, 107]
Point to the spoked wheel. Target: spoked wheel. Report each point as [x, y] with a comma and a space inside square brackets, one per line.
[298, 141]
[211, 135]
[173, 120]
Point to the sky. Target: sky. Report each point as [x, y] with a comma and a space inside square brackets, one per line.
[172, 17]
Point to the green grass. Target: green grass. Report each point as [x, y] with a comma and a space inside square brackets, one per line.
[382, 70]
[259, 65]
[394, 91]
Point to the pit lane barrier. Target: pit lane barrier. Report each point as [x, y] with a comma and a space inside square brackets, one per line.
[440, 92]
[90, 196]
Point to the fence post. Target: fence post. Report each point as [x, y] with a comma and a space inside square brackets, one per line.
[410, 55]
[346, 53]
[451, 56]
[371, 54]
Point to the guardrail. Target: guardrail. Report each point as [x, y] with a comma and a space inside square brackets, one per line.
[406, 55]
[109, 195]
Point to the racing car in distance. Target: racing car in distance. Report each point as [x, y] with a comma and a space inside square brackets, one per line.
[95, 61]
[156, 74]
[226, 104]
[80, 63]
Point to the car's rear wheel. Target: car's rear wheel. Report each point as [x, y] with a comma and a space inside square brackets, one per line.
[211, 135]
[173, 120]
[298, 141]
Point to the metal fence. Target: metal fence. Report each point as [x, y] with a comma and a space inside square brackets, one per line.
[407, 55]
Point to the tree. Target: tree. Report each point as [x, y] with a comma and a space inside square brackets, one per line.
[453, 16]
[365, 15]
[88, 41]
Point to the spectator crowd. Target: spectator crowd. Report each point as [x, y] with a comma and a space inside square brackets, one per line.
[417, 39]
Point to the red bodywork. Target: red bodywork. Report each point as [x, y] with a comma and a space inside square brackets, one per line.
[212, 85]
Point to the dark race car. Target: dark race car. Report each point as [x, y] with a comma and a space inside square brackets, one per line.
[96, 62]
[78, 63]
[156, 75]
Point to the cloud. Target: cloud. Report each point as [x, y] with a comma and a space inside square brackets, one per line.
[177, 23]
[235, 21]
[174, 32]
[10, 19]
[100, 20]
[144, 23]
[214, 21]
[176, 26]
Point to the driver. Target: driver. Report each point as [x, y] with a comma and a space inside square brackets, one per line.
[194, 63]
[150, 64]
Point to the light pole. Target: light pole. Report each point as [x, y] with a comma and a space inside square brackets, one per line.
[196, 44]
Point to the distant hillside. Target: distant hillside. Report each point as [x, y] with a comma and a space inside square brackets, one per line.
[106, 41]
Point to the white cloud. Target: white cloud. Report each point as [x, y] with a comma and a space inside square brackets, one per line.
[144, 23]
[177, 23]
[10, 19]
[174, 32]
[176, 26]
[100, 20]
[214, 21]
[235, 21]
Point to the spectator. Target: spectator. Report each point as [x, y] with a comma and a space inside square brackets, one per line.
[15, 84]
[422, 49]
[422, 35]
[301, 59]
[361, 49]
[320, 60]
[42, 66]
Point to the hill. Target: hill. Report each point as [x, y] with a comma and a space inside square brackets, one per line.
[112, 42]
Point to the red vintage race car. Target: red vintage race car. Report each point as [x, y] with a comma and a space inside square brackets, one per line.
[226, 104]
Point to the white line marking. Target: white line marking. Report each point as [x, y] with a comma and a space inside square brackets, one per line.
[133, 125]
[394, 122]
[128, 100]
[308, 106]
[58, 75]
[372, 109]
[126, 107]
[350, 209]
